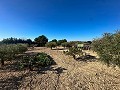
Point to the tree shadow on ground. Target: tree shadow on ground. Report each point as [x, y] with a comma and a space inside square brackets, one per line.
[13, 65]
[10, 66]
[86, 58]
[58, 48]
[15, 82]
[58, 70]
[12, 83]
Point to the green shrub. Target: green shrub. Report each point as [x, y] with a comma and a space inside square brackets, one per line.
[43, 59]
[74, 43]
[61, 41]
[66, 44]
[38, 60]
[73, 51]
[27, 61]
[108, 48]
[8, 52]
[21, 48]
[51, 44]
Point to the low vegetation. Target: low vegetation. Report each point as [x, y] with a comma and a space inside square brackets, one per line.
[66, 44]
[38, 60]
[33, 69]
[73, 51]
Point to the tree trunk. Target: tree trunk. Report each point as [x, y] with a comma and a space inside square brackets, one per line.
[30, 68]
[2, 62]
[51, 48]
[74, 57]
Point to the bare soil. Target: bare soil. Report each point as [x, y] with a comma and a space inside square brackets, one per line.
[67, 74]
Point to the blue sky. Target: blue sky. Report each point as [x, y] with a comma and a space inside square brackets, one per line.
[70, 19]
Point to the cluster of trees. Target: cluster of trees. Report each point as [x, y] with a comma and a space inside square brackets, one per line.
[55, 43]
[16, 41]
[108, 48]
[42, 41]
[11, 52]
[64, 43]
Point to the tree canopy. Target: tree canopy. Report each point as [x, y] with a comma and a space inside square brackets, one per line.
[61, 41]
[16, 41]
[54, 40]
[108, 48]
[41, 40]
[51, 44]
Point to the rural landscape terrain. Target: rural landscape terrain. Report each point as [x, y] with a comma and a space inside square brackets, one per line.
[60, 65]
[59, 44]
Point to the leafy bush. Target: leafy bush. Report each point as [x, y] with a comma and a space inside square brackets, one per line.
[61, 41]
[16, 41]
[73, 51]
[21, 48]
[66, 44]
[8, 52]
[51, 44]
[43, 59]
[38, 60]
[70, 44]
[27, 61]
[108, 48]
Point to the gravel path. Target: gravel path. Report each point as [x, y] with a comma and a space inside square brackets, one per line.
[74, 75]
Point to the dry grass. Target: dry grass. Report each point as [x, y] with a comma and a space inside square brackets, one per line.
[68, 74]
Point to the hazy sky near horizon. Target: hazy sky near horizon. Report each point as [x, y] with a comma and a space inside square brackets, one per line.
[70, 19]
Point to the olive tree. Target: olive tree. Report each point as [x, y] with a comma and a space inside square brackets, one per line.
[73, 51]
[51, 44]
[108, 48]
[66, 45]
[8, 52]
[61, 41]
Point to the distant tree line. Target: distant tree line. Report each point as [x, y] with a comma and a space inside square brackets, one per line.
[16, 41]
[42, 41]
[55, 43]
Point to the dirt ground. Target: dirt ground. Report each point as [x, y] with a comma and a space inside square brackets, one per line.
[67, 74]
